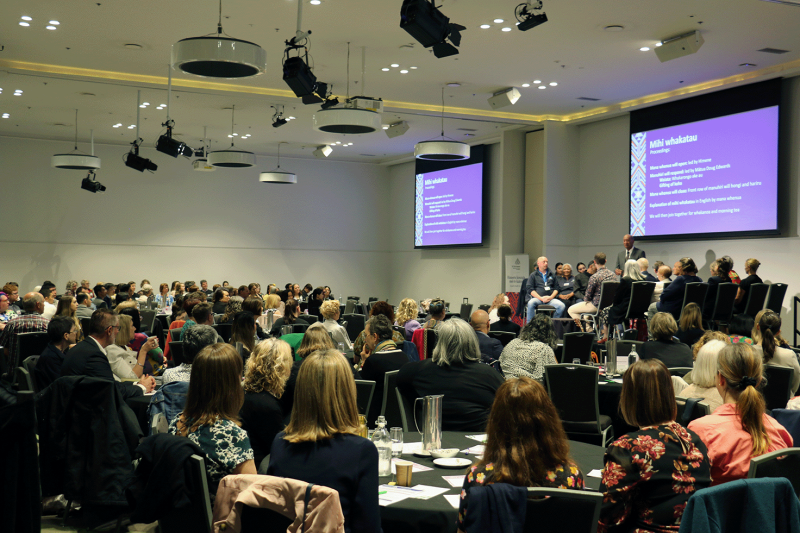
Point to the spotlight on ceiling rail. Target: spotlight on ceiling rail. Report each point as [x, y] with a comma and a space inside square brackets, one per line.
[430, 27]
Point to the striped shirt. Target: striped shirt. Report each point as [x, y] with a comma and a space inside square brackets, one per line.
[25, 323]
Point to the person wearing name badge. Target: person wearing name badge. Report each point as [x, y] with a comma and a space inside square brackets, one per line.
[630, 252]
[543, 289]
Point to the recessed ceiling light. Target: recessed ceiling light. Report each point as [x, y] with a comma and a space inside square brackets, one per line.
[385, 69]
[644, 49]
[385, 126]
[413, 68]
[143, 106]
[506, 29]
[553, 84]
[537, 82]
[290, 118]
[526, 84]
[394, 65]
[454, 84]
[5, 115]
[315, 2]
[747, 64]
[131, 126]
[659, 43]
[230, 136]
[51, 27]
[145, 103]
[133, 46]
[542, 87]
[338, 142]
[116, 126]
[614, 28]
[25, 17]
[24, 24]
[403, 72]
[485, 26]
[55, 22]
[235, 134]
[498, 21]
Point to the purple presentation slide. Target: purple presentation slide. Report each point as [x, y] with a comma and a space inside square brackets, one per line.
[712, 176]
[449, 205]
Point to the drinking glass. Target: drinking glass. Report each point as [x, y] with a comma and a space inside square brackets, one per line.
[342, 348]
[396, 434]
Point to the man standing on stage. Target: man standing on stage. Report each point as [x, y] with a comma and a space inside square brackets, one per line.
[631, 252]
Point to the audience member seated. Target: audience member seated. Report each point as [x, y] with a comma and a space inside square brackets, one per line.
[147, 292]
[201, 315]
[233, 308]
[265, 377]
[582, 279]
[664, 275]
[84, 309]
[750, 268]
[704, 375]
[454, 370]
[5, 313]
[379, 356]
[14, 302]
[740, 429]
[664, 347]
[289, 318]
[566, 285]
[380, 308]
[436, 314]
[177, 313]
[220, 302]
[330, 311]
[490, 348]
[615, 313]
[769, 327]
[273, 302]
[90, 358]
[243, 331]
[740, 329]
[315, 302]
[650, 474]
[732, 273]
[543, 289]
[690, 328]
[29, 321]
[314, 339]
[720, 273]
[321, 444]
[210, 418]
[328, 293]
[163, 298]
[671, 299]
[644, 266]
[593, 290]
[195, 339]
[255, 306]
[49, 295]
[499, 300]
[756, 333]
[68, 306]
[62, 333]
[707, 337]
[125, 363]
[525, 445]
[504, 314]
[527, 355]
[406, 316]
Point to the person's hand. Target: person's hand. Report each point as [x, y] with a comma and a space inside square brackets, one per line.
[618, 272]
[148, 382]
[365, 353]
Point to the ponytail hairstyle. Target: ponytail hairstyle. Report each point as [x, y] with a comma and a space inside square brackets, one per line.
[769, 326]
[688, 267]
[743, 371]
[725, 265]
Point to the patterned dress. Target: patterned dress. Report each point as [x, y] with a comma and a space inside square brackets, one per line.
[649, 476]
[226, 446]
[563, 477]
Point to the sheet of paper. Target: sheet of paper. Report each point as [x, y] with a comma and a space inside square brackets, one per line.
[453, 499]
[411, 447]
[478, 449]
[389, 494]
[415, 467]
[455, 481]
[427, 492]
[479, 438]
[595, 473]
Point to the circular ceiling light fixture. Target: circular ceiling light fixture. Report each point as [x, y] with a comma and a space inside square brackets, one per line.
[232, 158]
[218, 56]
[614, 28]
[442, 148]
[76, 160]
[347, 120]
[278, 175]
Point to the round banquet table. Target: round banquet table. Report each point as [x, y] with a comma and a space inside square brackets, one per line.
[436, 515]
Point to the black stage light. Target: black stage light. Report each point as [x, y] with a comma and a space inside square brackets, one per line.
[309, 99]
[527, 19]
[330, 102]
[430, 27]
[167, 145]
[92, 185]
[298, 76]
[278, 122]
[139, 163]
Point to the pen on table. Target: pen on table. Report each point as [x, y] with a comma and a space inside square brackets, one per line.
[383, 492]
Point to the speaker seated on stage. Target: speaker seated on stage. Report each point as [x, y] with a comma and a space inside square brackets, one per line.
[582, 279]
[592, 297]
[543, 289]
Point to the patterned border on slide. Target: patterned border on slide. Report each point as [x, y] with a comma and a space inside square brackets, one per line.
[419, 205]
[638, 182]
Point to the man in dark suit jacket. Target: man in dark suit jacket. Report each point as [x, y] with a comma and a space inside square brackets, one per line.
[630, 252]
[490, 348]
[644, 267]
[89, 358]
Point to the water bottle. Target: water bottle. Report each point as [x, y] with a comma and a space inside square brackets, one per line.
[633, 356]
[382, 441]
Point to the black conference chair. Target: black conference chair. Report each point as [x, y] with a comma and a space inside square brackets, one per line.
[577, 346]
[624, 347]
[355, 324]
[85, 322]
[365, 389]
[573, 389]
[175, 334]
[176, 351]
[311, 319]
[148, 319]
[164, 319]
[756, 297]
[31, 344]
[608, 289]
[694, 293]
[197, 515]
[390, 406]
[777, 389]
[29, 364]
[225, 331]
[299, 328]
[503, 336]
[723, 305]
[400, 329]
[699, 409]
[679, 371]
[781, 463]
[21, 489]
[641, 295]
[349, 307]
[549, 509]
[775, 295]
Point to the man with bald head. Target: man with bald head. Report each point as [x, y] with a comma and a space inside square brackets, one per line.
[543, 289]
[630, 252]
[490, 348]
[30, 321]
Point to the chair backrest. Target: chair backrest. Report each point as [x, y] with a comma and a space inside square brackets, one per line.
[630, 334]
[400, 329]
[365, 389]
[608, 289]
[723, 306]
[390, 407]
[550, 509]
[349, 307]
[148, 319]
[355, 324]
[694, 293]
[23, 380]
[781, 463]
[776, 392]
[176, 351]
[756, 297]
[466, 311]
[577, 346]
[503, 336]
[29, 364]
[641, 295]
[32, 344]
[775, 295]
[699, 410]
[429, 340]
[85, 322]
[263, 520]
[175, 334]
[410, 349]
[406, 409]
[573, 389]
[624, 347]
[225, 331]
[679, 371]
[197, 516]
[299, 328]
[311, 319]
[164, 319]
[159, 424]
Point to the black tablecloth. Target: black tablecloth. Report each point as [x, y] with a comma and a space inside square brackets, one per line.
[436, 515]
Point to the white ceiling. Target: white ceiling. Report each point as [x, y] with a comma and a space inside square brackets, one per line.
[571, 49]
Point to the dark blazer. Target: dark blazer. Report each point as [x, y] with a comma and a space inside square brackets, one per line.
[262, 417]
[313, 308]
[636, 253]
[581, 284]
[671, 353]
[489, 346]
[48, 367]
[649, 277]
[86, 359]
[219, 308]
[507, 326]
[672, 297]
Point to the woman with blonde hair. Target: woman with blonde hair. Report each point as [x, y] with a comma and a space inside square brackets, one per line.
[234, 307]
[330, 311]
[499, 300]
[740, 429]
[210, 417]
[406, 316]
[704, 375]
[768, 328]
[321, 444]
[265, 377]
[756, 333]
[126, 363]
[67, 305]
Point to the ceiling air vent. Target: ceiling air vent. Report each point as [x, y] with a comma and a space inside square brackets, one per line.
[466, 129]
[787, 2]
[773, 51]
[588, 99]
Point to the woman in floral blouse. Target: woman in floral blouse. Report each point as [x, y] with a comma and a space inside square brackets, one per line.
[650, 474]
[525, 444]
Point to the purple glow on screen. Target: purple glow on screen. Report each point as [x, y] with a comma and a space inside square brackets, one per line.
[449, 205]
[712, 176]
